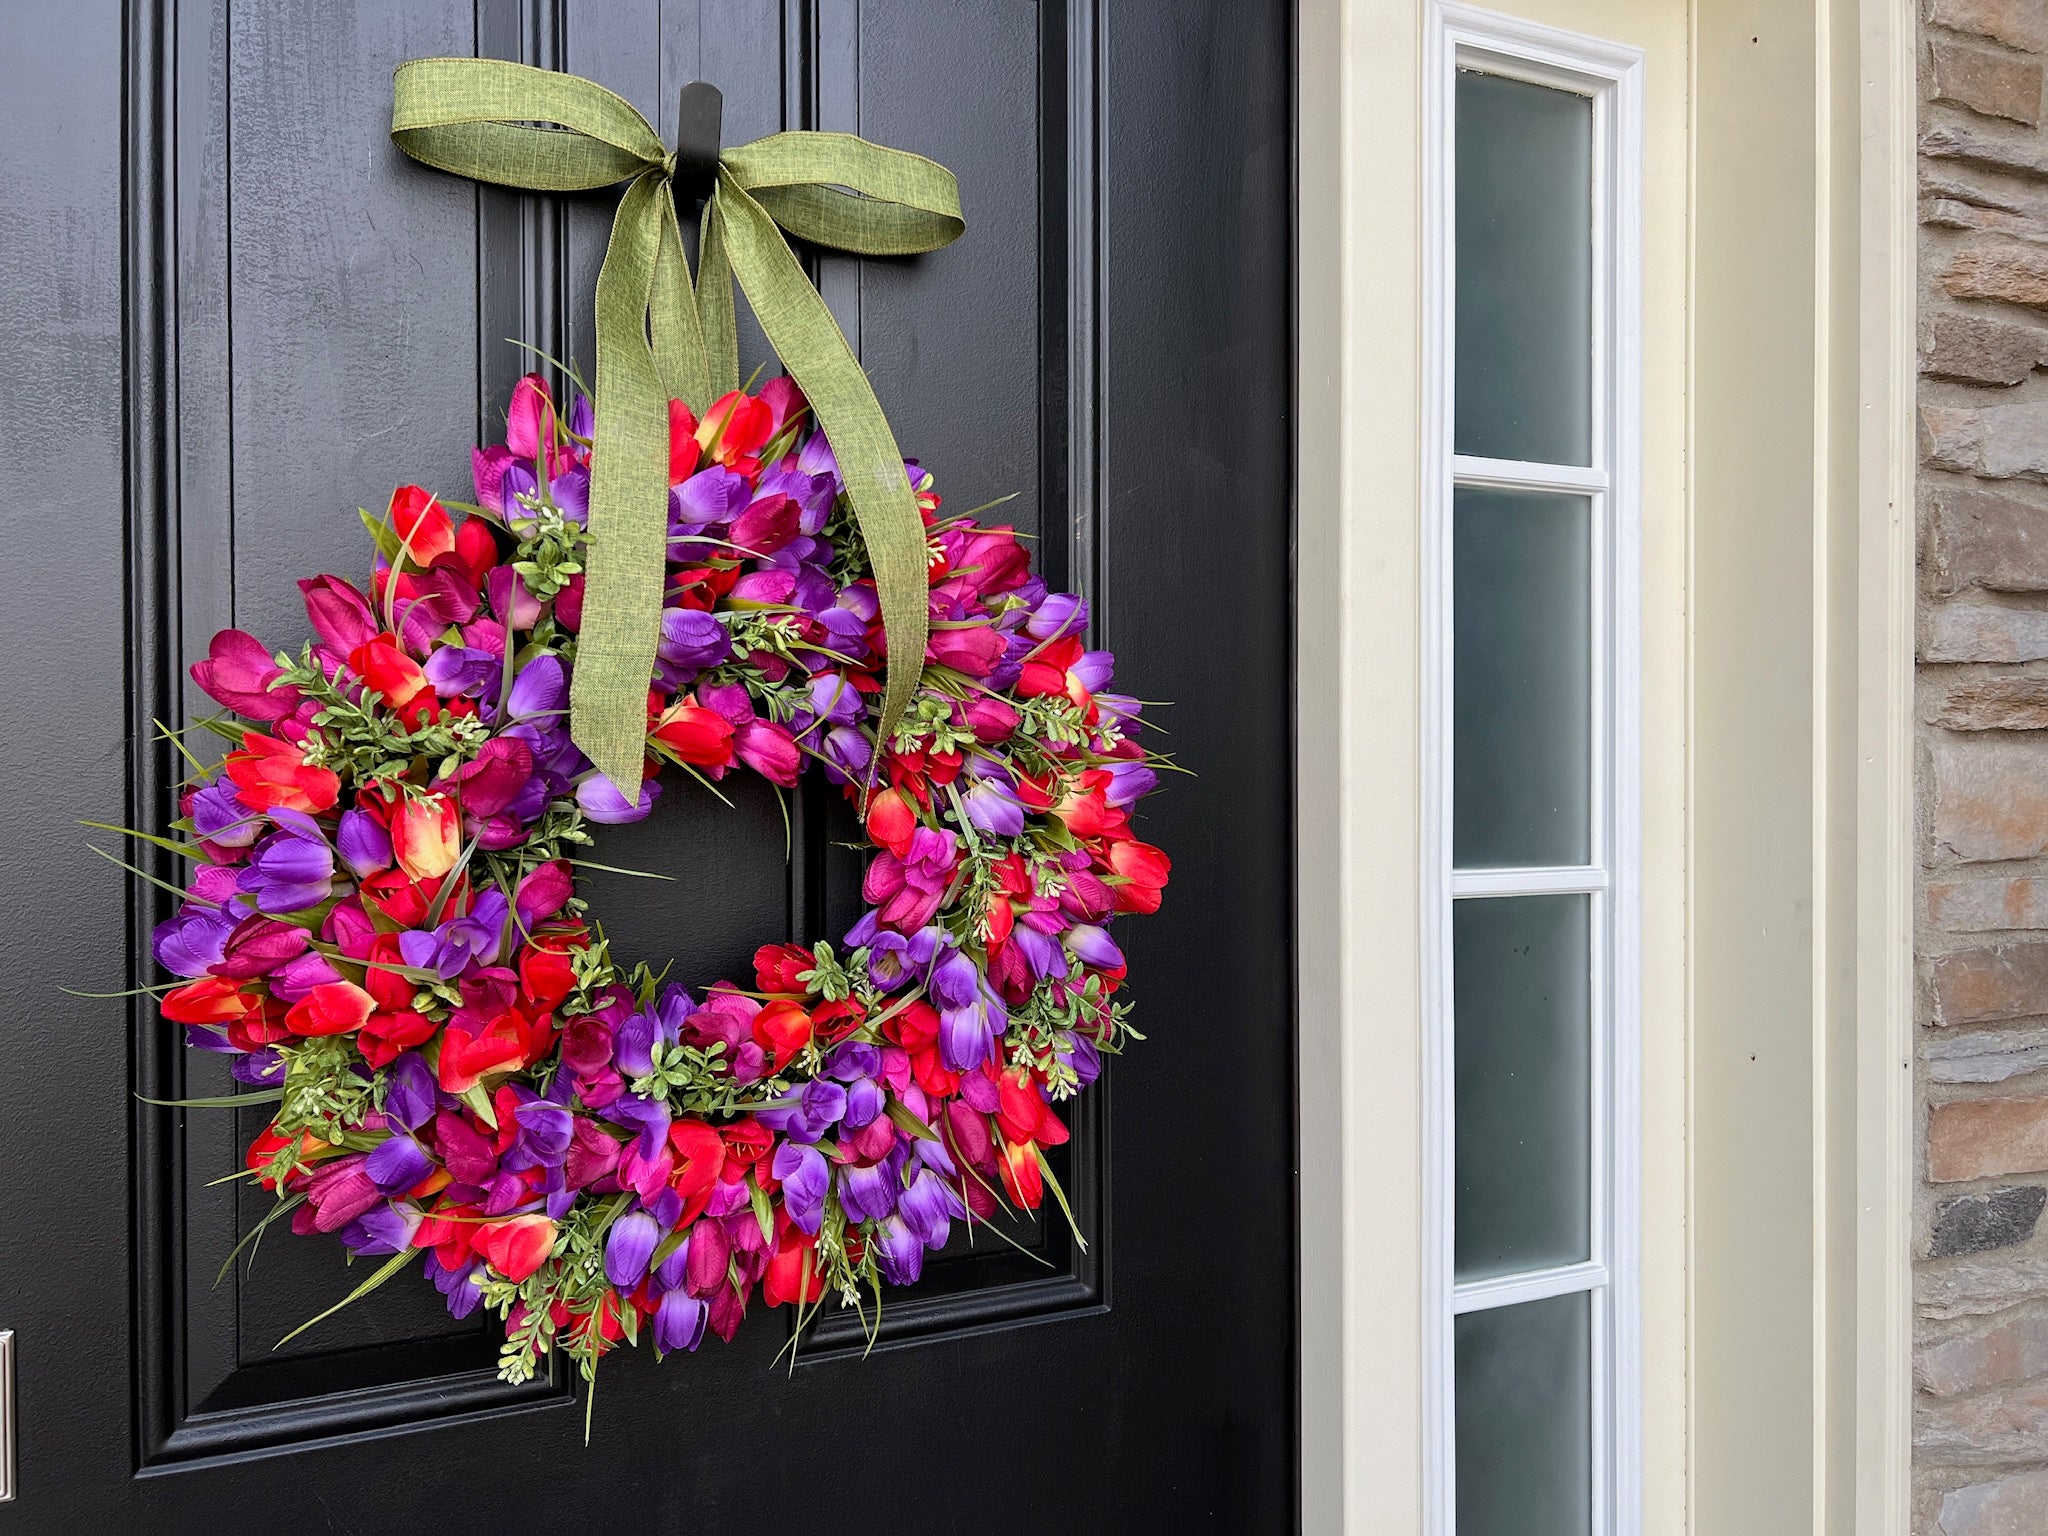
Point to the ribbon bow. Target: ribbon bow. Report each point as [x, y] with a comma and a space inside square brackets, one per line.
[659, 339]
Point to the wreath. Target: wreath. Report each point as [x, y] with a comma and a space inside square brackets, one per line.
[382, 927]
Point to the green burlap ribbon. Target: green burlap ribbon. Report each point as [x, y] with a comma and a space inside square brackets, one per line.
[661, 338]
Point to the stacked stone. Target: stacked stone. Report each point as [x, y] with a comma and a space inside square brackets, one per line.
[1981, 1282]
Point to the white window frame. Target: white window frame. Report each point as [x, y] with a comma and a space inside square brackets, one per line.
[1611, 75]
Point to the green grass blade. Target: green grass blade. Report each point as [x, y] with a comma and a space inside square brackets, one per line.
[392, 1266]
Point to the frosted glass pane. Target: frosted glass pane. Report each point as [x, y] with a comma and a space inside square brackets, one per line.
[1525, 271]
[1522, 647]
[1523, 1049]
[1525, 1419]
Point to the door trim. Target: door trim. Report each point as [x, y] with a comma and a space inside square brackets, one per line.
[1358, 179]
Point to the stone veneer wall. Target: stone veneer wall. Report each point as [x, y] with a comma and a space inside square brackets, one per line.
[1981, 1281]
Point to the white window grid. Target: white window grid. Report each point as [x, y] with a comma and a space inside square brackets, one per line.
[1460, 37]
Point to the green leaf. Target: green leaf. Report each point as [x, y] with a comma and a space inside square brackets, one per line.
[388, 543]
[763, 1211]
[250, 1237]
[145, 874]
[1060, 1195]
[905, 1120]
[391, 1266]
[182, 850]
[219, 1101]
[614, 869]
[475, 1097]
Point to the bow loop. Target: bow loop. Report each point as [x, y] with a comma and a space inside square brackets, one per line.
[659, 337]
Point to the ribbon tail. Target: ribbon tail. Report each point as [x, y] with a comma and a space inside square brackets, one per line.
[627, 552]
[719, 326]
[803, 333]
[679, 356]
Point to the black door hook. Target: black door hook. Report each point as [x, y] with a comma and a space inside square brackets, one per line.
[699, 120]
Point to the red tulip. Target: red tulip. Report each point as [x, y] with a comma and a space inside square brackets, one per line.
[546, 973]
[209, 1000]
[332, 1008]
[516, 1247]
[892, 818]
[793, 1273]
[1023, 1180]
[1143, 870]
[782, 1029]
[734, 429]
[699, 736]
[388, 1035]
[422, 523]
[385, 667]
[476, 551]
[269, 773]
[426, 836]
[781, 967]
[683, 447]
[699, 1153]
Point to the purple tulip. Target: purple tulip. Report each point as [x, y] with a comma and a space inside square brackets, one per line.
[363, 843]
[864, 1102]
[1060, 613]
[955, 980]
[397, 1164]
[928, 1208]
[627, 1248]
[218, 816]
[291, 869]
[263, 1068]
[899, 1251]
[1042, 954]
[382, 1229]
[291, 981]
[461, 1286]
[679, 1321]
[692, 639]
[1093, 946]
[847, 752]
[410, 1092]
[545, 1131]
[993, 807]
[603, 803]
[834, 698]
[1128, 782]
[191, 943]
[458, 670]
[650, 1117]
[805, 1177]
[540, 688]
[868, 1194]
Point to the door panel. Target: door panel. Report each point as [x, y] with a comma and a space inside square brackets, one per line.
[310, 318]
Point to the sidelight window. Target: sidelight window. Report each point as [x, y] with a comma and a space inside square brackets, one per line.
[1530, 832]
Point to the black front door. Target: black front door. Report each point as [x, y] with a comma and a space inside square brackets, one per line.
[234, 313]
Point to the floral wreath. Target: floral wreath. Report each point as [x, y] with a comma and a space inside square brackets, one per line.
[382, 929]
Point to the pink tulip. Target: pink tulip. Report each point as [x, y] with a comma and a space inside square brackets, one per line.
[238, 673]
